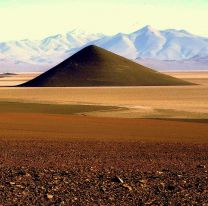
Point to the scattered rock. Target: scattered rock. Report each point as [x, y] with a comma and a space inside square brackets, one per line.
[201, 166]
[20, 186]
[165, 170]
[117, 179]
[171, 186]
[159, 172]
[49, 196]
[93, 176]
[143, 182]
[150, 202]
[21, 172]
[27, 174]
[127, 186]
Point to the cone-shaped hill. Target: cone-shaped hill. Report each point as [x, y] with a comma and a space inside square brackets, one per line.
[93, 66]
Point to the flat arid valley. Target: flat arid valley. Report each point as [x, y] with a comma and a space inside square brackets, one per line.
[106, 145]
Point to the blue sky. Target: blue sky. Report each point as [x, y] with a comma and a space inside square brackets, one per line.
[35, 19]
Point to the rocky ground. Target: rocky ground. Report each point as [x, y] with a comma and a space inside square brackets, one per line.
[59, 172]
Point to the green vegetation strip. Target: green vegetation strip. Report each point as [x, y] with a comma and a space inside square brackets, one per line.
[52, 108]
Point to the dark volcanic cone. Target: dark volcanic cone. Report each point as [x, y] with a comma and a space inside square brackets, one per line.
[93, 66]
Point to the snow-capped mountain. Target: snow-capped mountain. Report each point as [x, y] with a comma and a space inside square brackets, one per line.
[40, 55]
[147, 45]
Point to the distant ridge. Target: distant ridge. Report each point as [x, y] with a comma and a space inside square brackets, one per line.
[94, 66]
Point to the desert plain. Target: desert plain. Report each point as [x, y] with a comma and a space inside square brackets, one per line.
[104, 145]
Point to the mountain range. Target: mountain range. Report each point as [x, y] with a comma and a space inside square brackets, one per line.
[162, 50]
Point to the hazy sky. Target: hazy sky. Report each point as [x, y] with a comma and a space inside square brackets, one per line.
[35, 19]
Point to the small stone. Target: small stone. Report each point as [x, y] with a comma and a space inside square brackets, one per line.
[162, 184]
[127, 187]
[117, 179]
[142, 182]
[49, 196]
[170, 187]
[165, 170]
[150, 202]
[21, 172]
[102, 189]
[27, 174]
[12, 183]
[201, 166]
[24, 193]
[20, 186]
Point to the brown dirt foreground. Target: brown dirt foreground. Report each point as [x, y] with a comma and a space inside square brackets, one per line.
[79, 160]
[29, 126]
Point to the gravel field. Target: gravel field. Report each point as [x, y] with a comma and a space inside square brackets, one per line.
[61, 172]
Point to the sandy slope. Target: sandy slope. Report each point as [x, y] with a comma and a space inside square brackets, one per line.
[151, 102]
[184, 102]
